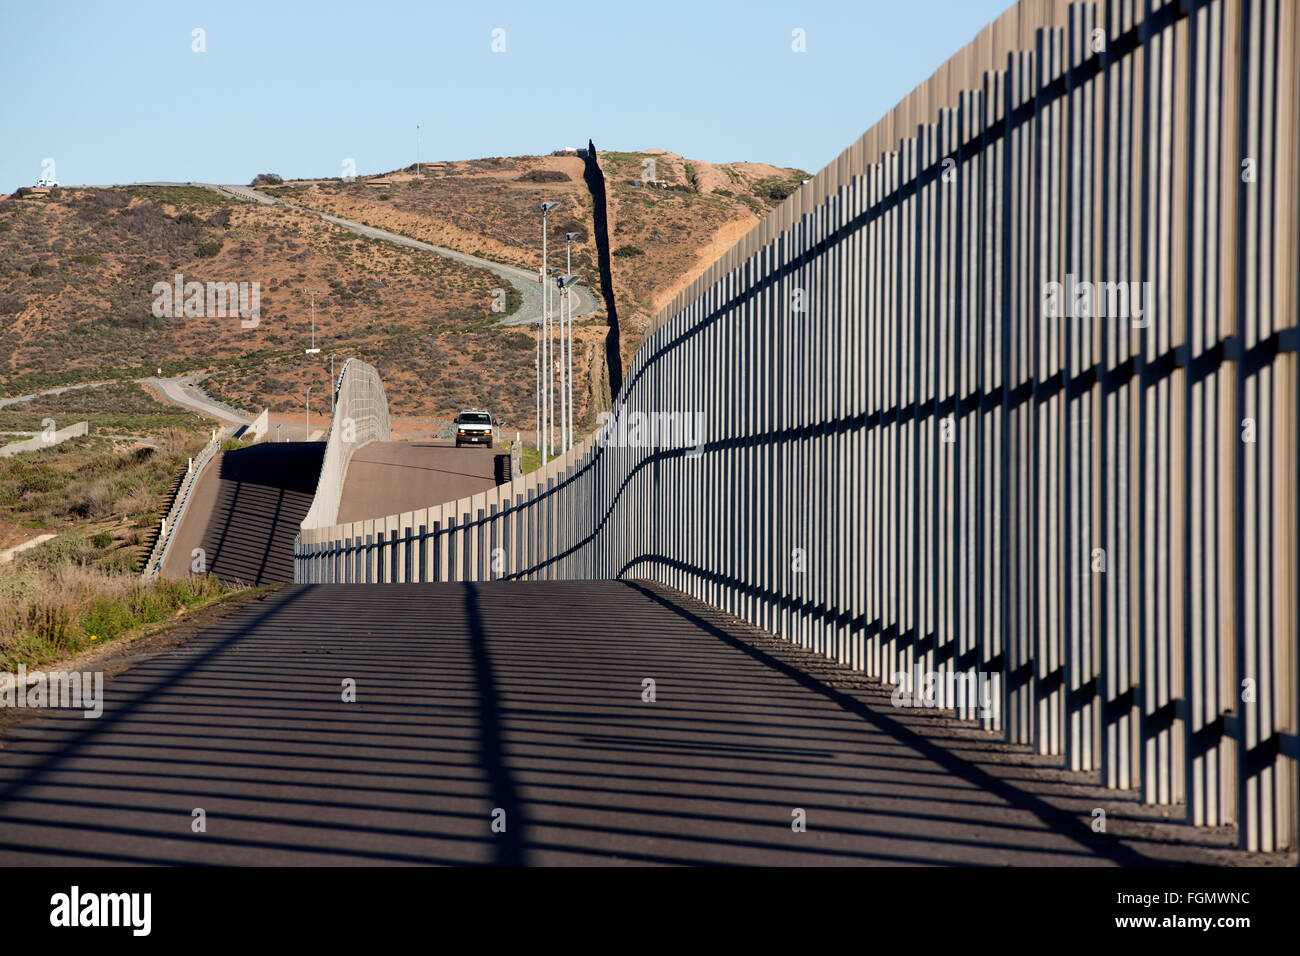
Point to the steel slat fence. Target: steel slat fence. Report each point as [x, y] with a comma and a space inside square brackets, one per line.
[913, 465]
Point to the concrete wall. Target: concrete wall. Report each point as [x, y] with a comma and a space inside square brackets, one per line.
[259, 427]
[912, 465]
[360, 417]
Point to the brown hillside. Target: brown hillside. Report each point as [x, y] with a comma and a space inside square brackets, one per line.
[661, 236]
[78, 268]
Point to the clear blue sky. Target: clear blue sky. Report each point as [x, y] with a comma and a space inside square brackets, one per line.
[114, 93]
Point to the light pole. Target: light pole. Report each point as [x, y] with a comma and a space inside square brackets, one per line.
[313, 292]
[548, 432]
[568, 298]
[537, 367]
[551, 368]
[566, 283]
[564, 408]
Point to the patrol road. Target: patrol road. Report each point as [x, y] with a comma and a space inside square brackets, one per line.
[528, 705]
[387, 478]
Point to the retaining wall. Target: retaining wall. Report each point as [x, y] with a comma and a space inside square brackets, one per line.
[360, 417]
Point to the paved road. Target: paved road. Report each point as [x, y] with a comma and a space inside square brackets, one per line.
[16, 399]
[245, 512]
[182, 391]
[525, 697]
[387, 478]
[525, 280]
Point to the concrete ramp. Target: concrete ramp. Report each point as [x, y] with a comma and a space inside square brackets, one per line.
[392, 477]
[246, 511]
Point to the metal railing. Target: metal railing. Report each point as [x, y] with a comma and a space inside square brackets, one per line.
[167, 529]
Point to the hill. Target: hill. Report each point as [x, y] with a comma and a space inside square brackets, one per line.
[662, 233]
[80, 272]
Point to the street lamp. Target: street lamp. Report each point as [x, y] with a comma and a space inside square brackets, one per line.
[566, 283]
[568, 273]
[313, 292]
[553, 366]
[537, 367]
[549, 431]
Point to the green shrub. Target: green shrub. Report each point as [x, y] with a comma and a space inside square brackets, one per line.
[106, 618]
[101, 539]
[208, 249]
[628, 251]
[544, 176]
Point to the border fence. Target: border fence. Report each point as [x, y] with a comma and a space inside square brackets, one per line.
[1007, 392]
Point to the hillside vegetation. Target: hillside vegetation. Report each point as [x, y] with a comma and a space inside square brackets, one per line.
[662, 234]
[78, 269]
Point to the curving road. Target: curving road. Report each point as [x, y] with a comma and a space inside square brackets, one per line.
[523, 280]
[182, 391]
[17, 399]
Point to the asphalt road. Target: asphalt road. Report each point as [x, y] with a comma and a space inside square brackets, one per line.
[388, 478]
[16, 399]
[525, 280]
[181, 391]
[525, 698]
